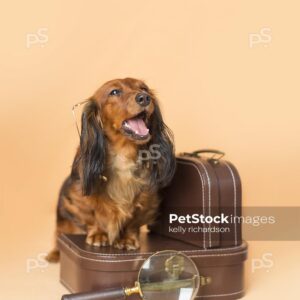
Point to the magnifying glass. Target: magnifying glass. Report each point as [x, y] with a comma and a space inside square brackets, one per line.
[166, 275]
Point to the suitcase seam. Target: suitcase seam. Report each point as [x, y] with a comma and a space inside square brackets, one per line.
[203, 193]
[221, 295]
[209, 198]
[202, 296]
[209, 193]
[220, 255]
[234, 200]
[141, 259]
[243, 245]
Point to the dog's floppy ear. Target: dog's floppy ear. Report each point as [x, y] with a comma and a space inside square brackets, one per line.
[163, 168]
[91, 156]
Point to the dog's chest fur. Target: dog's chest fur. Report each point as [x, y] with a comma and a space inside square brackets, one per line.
[127, 179]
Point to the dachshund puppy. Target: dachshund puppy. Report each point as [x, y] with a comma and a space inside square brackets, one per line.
[113, 190]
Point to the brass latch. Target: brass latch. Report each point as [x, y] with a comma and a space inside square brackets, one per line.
[205, 280]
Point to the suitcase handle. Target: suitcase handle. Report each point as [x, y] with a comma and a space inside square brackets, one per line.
[217, 154]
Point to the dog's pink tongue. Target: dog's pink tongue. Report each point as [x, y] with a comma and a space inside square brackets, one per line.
[138, 126]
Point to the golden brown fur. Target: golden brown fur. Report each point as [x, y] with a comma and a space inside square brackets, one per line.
[112, 211]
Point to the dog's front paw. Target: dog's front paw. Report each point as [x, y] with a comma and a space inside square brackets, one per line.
[53, 256]
[97, 239]
[128, 243]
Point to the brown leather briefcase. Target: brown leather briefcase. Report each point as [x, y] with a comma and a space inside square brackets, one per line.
[86, 268]
[207, 186]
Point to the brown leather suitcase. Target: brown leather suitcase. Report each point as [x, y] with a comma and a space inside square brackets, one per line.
[208, 186]
[86, 268]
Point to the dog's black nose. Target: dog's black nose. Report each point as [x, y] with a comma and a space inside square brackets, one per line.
[142, 99]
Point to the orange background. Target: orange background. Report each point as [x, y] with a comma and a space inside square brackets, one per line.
[216, 91]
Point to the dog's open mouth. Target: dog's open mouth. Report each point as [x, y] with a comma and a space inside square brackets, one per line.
[136, 127]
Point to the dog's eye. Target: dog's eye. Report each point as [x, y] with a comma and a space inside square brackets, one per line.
[115, 92]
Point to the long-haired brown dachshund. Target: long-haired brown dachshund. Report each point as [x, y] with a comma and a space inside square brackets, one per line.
[112, 189]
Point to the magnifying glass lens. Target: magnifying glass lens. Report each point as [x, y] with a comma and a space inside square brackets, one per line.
[169, 275]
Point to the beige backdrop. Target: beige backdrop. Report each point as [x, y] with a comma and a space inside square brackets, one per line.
[226, 72]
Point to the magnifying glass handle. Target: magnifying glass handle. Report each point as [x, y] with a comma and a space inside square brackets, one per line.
[110, 294]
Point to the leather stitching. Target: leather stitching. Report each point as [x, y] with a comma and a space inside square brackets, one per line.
[203, 192]
[150, 253]
[234, 200]
[209, 198]
[221, 295]
[143, 259]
